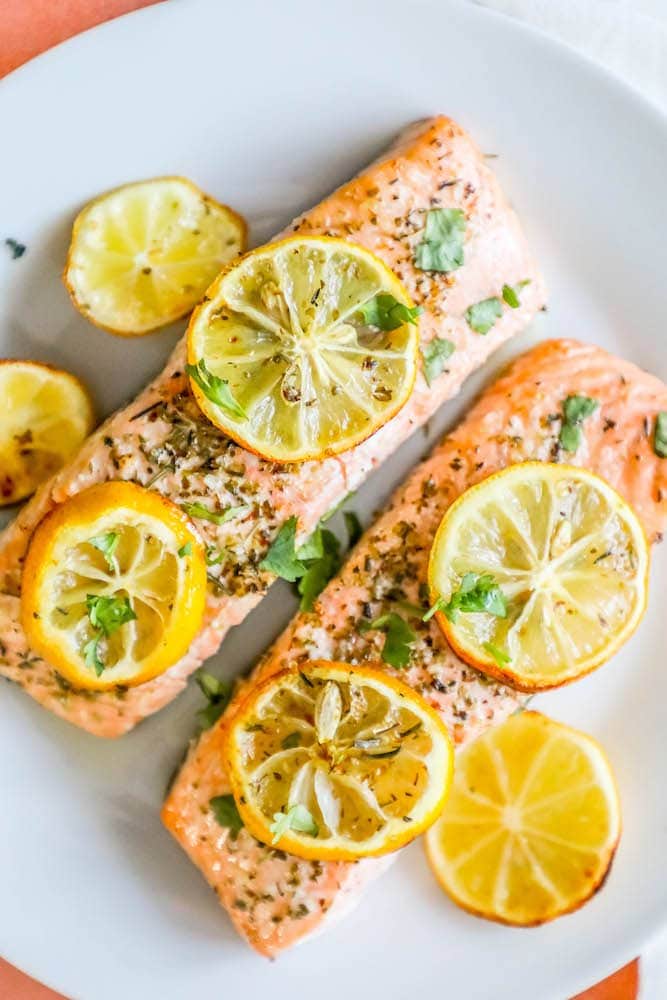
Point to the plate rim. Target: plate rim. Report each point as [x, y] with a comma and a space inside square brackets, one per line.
[603, 76]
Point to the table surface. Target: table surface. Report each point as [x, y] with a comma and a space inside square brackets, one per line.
[31, 27]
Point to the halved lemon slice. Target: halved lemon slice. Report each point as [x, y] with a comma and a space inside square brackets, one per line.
[531, 825]
[303, 348]
[114, 586]
[337, 762]
[142, 255]
[46, 414]
[539, 574]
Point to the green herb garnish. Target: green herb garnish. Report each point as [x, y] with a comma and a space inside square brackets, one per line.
[291, 741]
[297, 818]
[226, 813]
[199, 510]
[217, 693]
[216, 390]
[281, 558]
[320, 569]
[387, 313]
[353, 527]
[106, 544]
[185, 550]
[660, 435]
[106, 615]
[435, 354]
[576, 409]
[16, 249]
[476, 592]
[482, 316]
[511, 294]
[441, 248]
[499, 655]
[399, 637]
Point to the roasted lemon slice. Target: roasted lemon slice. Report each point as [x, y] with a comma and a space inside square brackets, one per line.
[531, 825]
[142, 255]
[46, 414]
[114, 586]
[337, 762]
[303, 348]
[539, 574]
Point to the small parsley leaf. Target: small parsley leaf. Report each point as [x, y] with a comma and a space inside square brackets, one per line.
[108, 613]
[353, 527]
[576, 409]
[399, 637]
[226, 813]
[482, 315]
[298, 818]
[217, 693]
[476, 592]
[185, 550]
[439, 605]
[441, 248]
[435, 354]
[499, 655]
[387, 313]
[106, 544]
[216, 390]
[281, 558]
[291, 741]
[15, 248]
[200, 511]
[511, 294]
[660, 435]
[319, 570]
[91, 657]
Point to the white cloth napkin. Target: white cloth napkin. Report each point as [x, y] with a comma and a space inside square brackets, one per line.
[629, 37]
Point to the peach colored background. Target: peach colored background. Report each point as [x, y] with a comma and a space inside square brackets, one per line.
[28, 28]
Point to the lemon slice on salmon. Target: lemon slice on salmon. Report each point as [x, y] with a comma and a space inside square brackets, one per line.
[143, 254]
[337, 762]
[303, 349]
[539, 574]
[530, 828]
[46, 414]
[114, 586]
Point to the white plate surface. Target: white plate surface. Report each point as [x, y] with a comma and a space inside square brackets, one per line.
[268, 106]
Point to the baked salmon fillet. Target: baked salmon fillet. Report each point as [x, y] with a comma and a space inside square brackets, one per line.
[276, 900]
[162, 440]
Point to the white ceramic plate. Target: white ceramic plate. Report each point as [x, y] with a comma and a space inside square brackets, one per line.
[268, 106]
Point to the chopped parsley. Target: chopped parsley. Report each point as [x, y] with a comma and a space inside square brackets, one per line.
[297, 818]
[576, 409]
[217, 694]
[106, 615]
[282, 559]
[185, 550]
[216, 390]
[482, 316]
[15, 248]
[399, 637]
[226, 813]
[320, 569]
[499, 655]
[476, 592]
[387, 313]
[441, 248]
[435, 354]
[291, 741]
[660, 435]
[353, 527]
[199, 510]
[106, 544]
[511, 294]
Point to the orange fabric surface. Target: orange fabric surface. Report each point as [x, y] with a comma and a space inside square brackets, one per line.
[28, 28]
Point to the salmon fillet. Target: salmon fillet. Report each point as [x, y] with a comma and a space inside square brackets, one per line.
[163, 441]
[276, 900]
